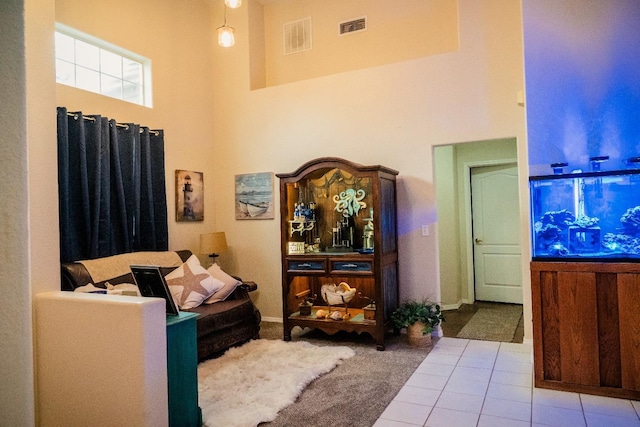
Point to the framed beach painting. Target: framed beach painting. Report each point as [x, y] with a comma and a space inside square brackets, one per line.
[189, 196]
[254, 196]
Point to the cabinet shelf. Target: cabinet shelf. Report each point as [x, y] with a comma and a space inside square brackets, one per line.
[357, 316]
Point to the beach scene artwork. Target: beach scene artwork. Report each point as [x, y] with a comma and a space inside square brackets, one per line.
[254, 196]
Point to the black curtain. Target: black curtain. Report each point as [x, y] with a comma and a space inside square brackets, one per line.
[111, 183]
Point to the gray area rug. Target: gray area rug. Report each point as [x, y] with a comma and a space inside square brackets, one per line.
[493, 324]
[358, 390]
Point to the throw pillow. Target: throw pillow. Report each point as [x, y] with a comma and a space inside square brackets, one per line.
[190, 284]
[230, 284]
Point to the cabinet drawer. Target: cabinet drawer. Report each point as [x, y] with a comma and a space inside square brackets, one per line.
[354, 266]
[305, 265]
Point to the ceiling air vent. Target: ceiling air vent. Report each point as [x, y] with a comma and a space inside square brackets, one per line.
[359, 24]
[297, 36]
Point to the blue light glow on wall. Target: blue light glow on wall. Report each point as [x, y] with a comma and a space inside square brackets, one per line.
[582, 71]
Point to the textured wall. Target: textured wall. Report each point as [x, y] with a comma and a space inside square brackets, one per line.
[16, 402]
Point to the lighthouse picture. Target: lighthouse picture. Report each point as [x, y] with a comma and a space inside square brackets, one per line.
[189, 196]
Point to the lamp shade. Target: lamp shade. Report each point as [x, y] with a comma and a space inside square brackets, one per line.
[225, 36]
[212, 243]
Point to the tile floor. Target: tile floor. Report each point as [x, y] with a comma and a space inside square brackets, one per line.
[482, 383]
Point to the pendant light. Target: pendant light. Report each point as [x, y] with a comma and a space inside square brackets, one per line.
[225, 33]
[233, 4]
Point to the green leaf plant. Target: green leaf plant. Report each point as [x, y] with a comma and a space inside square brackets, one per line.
[412, 311]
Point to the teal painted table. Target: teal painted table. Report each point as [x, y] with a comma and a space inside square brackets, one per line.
[182, 370]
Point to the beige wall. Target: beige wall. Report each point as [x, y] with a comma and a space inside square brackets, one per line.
[407, 30]
[450, 264]
[391, 114]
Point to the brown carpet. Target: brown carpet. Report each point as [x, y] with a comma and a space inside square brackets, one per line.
[495, 323]
[356, 392]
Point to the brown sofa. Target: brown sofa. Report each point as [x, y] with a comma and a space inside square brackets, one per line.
[220, 325]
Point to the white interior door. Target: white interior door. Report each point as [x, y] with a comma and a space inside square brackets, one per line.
[496, 233]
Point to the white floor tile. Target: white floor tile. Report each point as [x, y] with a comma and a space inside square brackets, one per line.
[476, 374]
[512, 356]
[381, 422]
[450, 418]
[514, 366]
[489, 384]
[480, 352]
[433, 382]
[559, 417]
[452, 342]
[507, 409]
[516, 347]
[443, 359]
[406, 412]
[483, 345]
[608, 406]
[477, 388]
[476, 362]
[509, 392]
[418, 395]
[556, 398]
[491, 421]
[437, 369]
[446, 349]
[512, 378]
[604, 420]
[460, 402]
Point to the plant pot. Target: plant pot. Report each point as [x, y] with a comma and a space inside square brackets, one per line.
[416, 337]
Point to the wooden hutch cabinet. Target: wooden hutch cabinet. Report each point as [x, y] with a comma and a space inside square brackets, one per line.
[338, 227]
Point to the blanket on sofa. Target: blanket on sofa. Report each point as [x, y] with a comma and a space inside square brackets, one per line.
[117, 265]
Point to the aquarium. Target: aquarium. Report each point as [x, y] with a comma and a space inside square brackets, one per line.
[592, 216]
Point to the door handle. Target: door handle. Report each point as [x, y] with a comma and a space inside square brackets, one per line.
[478, 241]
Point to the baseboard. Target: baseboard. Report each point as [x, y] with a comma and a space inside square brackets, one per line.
[447, 307]
[272, 319]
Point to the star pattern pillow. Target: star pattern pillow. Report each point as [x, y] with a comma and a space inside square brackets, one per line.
[191, 284]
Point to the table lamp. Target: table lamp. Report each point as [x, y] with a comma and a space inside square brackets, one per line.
[212, 243]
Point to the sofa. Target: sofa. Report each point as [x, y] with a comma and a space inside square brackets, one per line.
[220, 325]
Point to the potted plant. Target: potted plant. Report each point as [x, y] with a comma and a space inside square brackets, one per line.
[419, 318]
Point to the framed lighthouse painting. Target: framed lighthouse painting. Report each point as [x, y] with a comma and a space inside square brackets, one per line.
[189, 196]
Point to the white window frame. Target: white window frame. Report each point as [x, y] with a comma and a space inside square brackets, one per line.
[147, 98]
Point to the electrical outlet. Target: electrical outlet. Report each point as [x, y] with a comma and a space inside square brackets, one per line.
[425, 230]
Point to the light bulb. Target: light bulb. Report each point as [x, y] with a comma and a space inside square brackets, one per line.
[233, 4]
[225, 36]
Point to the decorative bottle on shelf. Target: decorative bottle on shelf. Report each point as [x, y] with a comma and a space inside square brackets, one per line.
[296, 212]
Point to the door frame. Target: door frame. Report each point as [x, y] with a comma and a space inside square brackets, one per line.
[468, 223]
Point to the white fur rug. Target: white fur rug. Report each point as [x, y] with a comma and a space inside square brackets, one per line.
[250, 384]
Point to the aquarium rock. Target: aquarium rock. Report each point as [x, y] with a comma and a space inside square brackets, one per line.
[584, 221]
[557, 249]
[562, 219]
[621, 243]
[631, 220]
[548, 233]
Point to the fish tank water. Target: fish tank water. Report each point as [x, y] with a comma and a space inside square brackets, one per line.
[587, 216]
